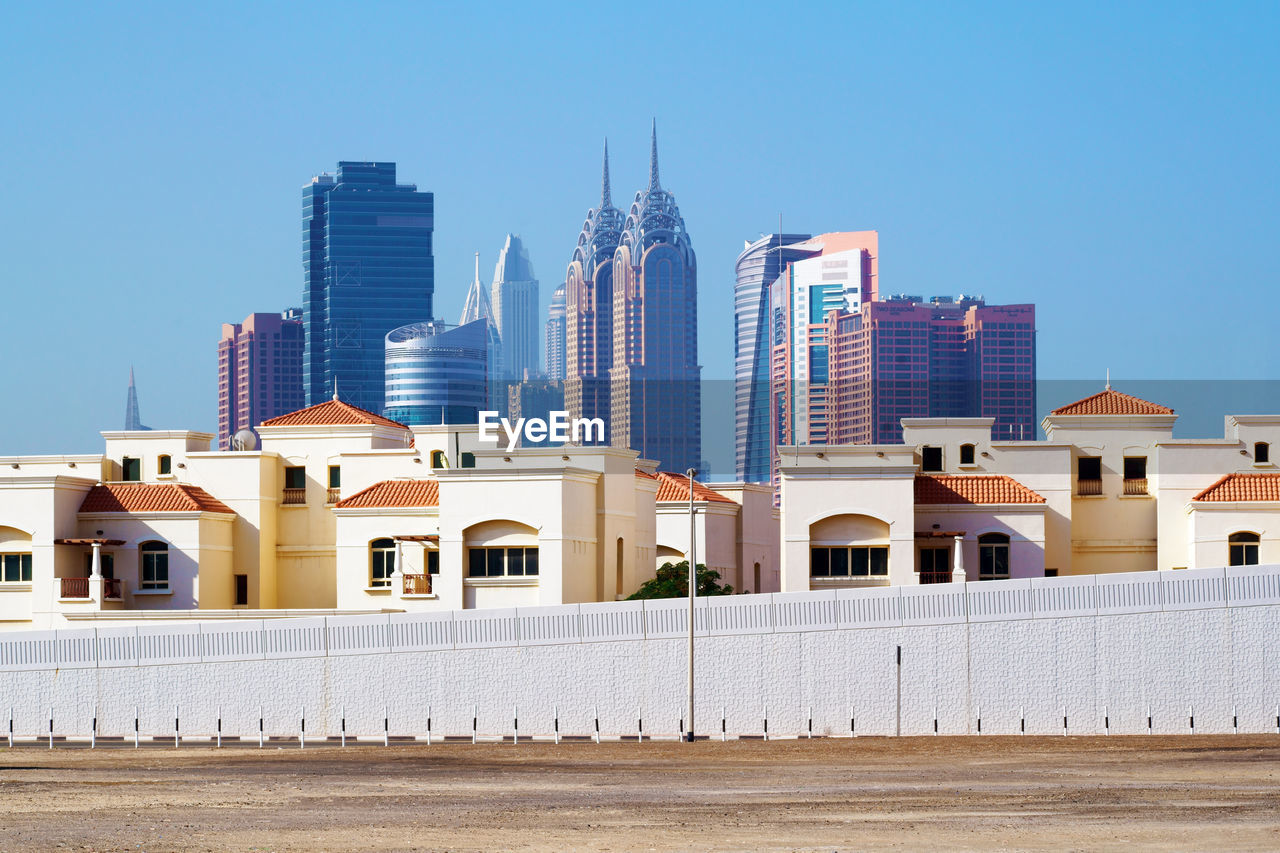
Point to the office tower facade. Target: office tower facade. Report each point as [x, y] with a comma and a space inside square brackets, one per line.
[132, 415]
[259, 371]
[757, 268]
[946, 358]
[368, 268]
[655, 387]
[555, 335]
[589, 308]
[514, 299]
[830, 272]
[437, 374]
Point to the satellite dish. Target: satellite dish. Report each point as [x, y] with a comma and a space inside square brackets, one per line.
[245, 439]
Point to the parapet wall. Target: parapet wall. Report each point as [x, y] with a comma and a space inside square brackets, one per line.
[1196, 648]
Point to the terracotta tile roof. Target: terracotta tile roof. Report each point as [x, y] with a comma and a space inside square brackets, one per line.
[646, 475]
[390, 494]
[1110, 402]
[675, 488]
[151, 497]
[972, 489]
[331, 413]
[1243, 487]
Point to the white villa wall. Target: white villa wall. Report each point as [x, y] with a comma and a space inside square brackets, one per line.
[1099, 651]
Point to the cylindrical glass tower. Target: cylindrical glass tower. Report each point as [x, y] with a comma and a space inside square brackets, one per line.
[436, 373]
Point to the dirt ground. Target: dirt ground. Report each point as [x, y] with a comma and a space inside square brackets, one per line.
[1205, 793]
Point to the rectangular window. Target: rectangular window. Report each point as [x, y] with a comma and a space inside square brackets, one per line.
[935, 560]
[335, 477]
[468, 460]
[155, 570]
[131, 469]
[433, 562]
[496, 562]
[1243, 554]
[295, 477]
[242, 590]
[841, 562]
[931, 458]
[1089, 475]
[106, 562]
[16, 568]
[164, 464]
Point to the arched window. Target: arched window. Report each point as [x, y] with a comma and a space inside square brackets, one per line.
[1243, 548]
[164, 464]
[1261, 452]
[438, 459]
[993, 556]
[966, 454]
[382, 562]
[155, 565]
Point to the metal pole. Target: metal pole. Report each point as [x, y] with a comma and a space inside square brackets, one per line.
[693, 592]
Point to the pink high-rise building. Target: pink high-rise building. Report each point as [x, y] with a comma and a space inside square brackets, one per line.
[259, 371]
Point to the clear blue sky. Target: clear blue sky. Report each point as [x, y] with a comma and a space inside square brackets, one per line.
[1116, 164]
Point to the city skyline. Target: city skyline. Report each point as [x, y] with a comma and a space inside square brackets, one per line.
[1045, 155]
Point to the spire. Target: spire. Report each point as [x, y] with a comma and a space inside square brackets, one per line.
[653, 158]
[606, 201]
[132, 418]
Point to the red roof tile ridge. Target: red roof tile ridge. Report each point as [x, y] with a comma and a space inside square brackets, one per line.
[389, 494]
[151, 497]
[673, 487]
[1112, 402]
[1242, 487]
[973, 489]
[331, 413]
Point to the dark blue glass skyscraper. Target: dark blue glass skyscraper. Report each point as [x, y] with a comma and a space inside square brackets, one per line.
[368, 268]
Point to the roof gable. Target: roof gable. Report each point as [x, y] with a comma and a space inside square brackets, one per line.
[1109, 402]
[151, 497]
[332, 413]
[972, 489]
[1243, 487]
[674, 488]
[394, 494]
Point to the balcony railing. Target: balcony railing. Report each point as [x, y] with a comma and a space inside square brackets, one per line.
[935, 577]
[295, 496]
[333, 496]
[417, 584]
[1135, 486]
[1088, 487]
[111, 589]
[75, 587]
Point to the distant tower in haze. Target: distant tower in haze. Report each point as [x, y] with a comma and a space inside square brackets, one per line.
[655, 388]
[555, 336]
[133, 420]
[478, 307]
[514, 298]
[589, 308]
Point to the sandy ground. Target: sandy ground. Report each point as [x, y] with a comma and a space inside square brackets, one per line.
[1206, 793]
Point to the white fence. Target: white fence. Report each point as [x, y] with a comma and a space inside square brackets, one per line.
[1074, 654]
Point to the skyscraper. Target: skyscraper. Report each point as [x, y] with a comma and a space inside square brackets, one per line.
[946, 358]
[436, 374]
[555, 335]
[831, 272]
[514, 298]
[655, 389]
[478, 307]
[589, 308]
[368, 268]
[757, 267]
[132, 417]
[259, 371]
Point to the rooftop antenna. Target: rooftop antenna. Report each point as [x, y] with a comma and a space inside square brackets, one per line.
[335, 388]
[1108, 388]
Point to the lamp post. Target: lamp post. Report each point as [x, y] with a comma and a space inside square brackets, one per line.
[693, 591]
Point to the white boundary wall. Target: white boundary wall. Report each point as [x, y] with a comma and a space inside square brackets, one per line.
[1018, 653]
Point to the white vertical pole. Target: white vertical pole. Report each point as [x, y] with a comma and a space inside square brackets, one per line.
[596, 711]
[515, 725]
[428, 725]
[1191, 718]
[343, 711]
[810, 722]
[302, 728]
[639, 724]
[475, 713]
[11, 727]
[219, 726]
[1106, 720]
[693, 592]
[1022, 720]
[724, 734]
[135, 726]
[386, 728]
[979, 710]
[261, 727]
[93, 732]
[175, 726]
[51, 727]
[555, 712]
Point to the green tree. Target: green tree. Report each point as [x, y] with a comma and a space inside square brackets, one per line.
[672, 581]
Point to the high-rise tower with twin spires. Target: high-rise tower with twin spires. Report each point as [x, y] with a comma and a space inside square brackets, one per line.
[632, 325]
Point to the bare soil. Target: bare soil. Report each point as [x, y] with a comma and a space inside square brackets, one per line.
[1183, 793]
